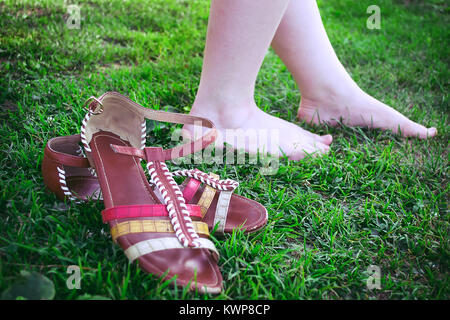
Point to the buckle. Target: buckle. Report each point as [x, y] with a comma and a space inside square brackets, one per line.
[98, 103]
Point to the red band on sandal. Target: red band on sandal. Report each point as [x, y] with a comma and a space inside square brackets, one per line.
[190, 189]
[148, 210]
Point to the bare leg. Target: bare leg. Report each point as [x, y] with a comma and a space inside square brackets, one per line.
[239, 35]
[328, 92]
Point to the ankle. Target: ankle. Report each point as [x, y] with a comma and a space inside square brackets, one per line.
[337, 92]
[224, 112]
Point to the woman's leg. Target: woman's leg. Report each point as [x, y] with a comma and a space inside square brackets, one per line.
[328, 92]
[239, 35]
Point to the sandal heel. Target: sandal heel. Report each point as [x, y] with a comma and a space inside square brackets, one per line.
[67, 172]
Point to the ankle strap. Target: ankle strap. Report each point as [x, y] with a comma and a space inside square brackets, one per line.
[155, 153]
[179, 118]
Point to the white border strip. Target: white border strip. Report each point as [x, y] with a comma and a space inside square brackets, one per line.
[152, 245]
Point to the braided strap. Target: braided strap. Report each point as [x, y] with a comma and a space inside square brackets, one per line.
[138, 226]
[148, 246]
[212, 180]
[83, 132]
[178, 213]
[63, 184]
[222, 185]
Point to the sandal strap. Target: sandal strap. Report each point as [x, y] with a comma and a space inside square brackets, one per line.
[174, 200]
[148, 246]
[226, 188]
[66, 151]
[213, 181]
[190, 189]
[206, 199]
[141, 211]
[171, 194]
[138, 226]
[220, 217]
[163, 116]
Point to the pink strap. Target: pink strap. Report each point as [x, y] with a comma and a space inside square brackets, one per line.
[190, 189]
[148, 210]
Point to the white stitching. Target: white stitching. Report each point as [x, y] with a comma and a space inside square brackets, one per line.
[182, 237]
[223, 185]
[143, 134]
[63, 184]
[83, 132]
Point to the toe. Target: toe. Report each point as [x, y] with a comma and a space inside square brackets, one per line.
[320, 148]
[327, 139]
[431, 132]
[413, 129]
[309, 148]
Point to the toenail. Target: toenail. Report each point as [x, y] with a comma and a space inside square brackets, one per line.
[432, 131]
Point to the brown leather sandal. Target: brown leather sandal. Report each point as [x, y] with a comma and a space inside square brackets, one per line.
[68, 174]
[166, 237]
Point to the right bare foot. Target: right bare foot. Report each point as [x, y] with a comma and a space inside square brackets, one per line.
[356, 108]
[254, 130]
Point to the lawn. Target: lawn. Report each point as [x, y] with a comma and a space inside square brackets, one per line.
[375, 199]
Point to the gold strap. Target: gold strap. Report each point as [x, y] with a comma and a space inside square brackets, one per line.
[137, 226]
[207, 196]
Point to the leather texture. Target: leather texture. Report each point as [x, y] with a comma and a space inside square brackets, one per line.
[63, 166]
[139, 211]
[139, 226]
[184, 254]
[243, 213]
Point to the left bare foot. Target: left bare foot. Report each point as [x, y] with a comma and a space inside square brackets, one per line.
[357, 108]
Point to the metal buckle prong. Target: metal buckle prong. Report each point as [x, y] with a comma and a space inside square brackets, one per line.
[98, 103]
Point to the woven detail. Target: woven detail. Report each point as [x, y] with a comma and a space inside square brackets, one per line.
[80, 153]
[143, 134]
[186, 235]
[212, 180]
[92, 172]
[63, 184]
[206, 199]
[222, 185]
[148, 246]
[83, 132]
[138, 226]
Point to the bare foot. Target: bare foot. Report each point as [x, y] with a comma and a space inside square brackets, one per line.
[256, 131]
[357, 108]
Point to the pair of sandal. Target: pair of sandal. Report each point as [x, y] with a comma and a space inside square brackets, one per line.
[162, 225]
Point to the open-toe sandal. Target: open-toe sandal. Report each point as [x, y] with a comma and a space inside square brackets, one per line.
[165, 235]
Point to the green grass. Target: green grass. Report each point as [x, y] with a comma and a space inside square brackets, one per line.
[375, 199]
